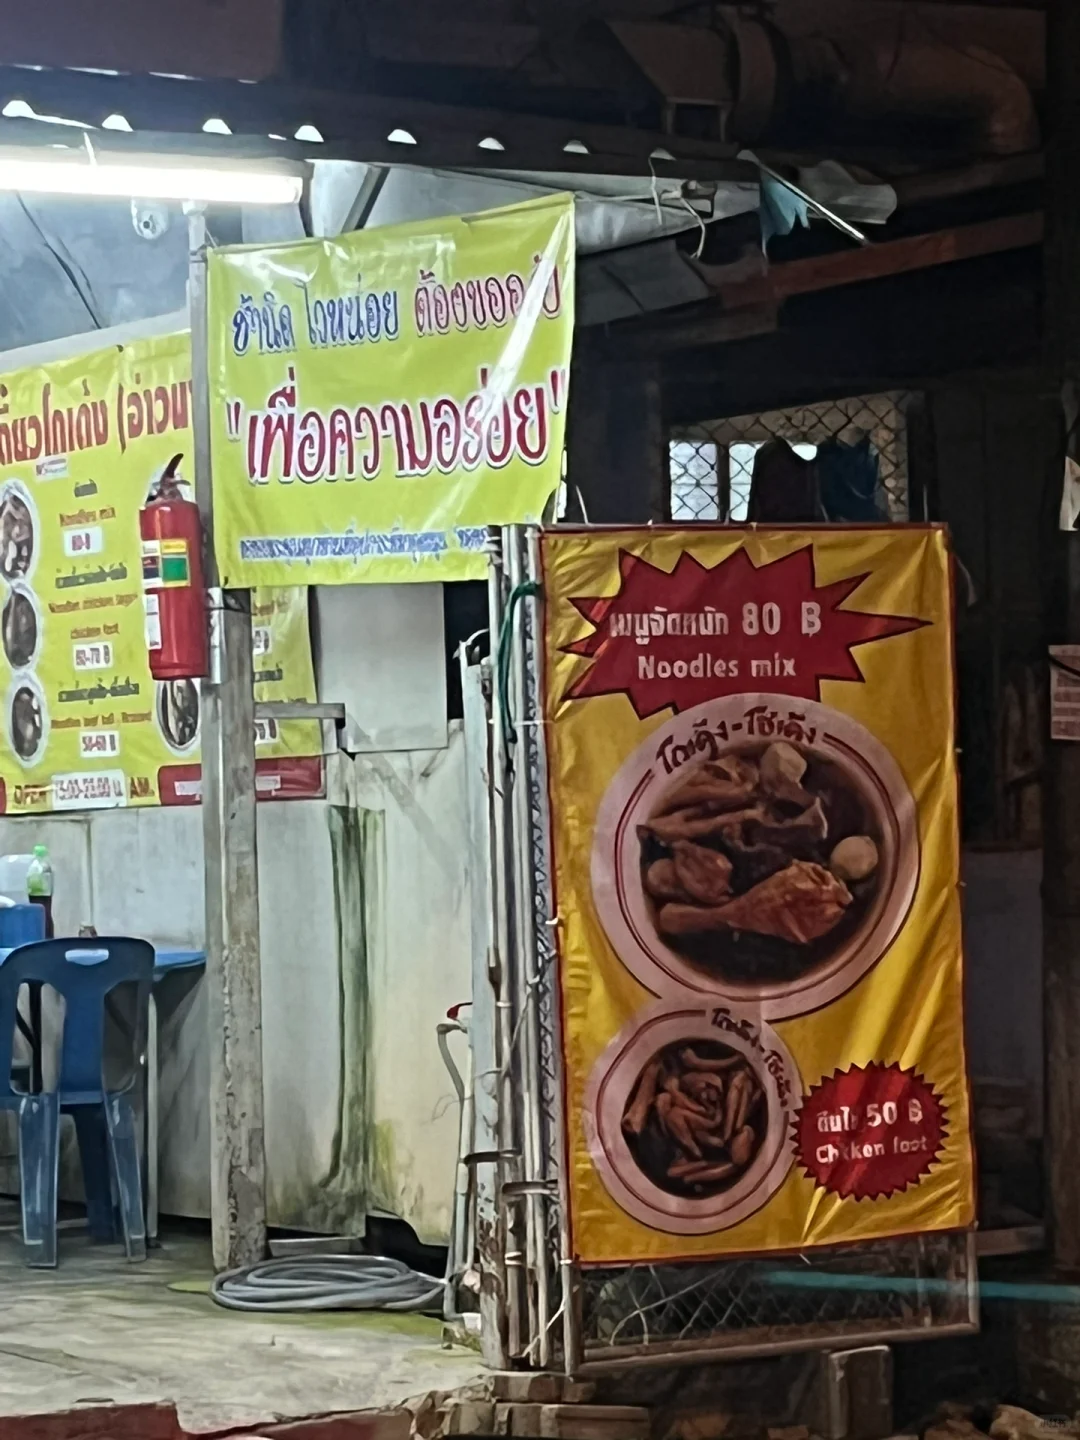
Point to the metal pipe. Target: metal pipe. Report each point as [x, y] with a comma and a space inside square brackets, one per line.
[486, 1225]
[695, 1352]
[500, 889]
[550, 1148]
[525, 970]
[570, 1275]
[549, 956]
[530, 1090]
[458, 1254]
[972, 1280]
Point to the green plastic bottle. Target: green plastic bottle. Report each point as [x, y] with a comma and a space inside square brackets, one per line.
[39, 885]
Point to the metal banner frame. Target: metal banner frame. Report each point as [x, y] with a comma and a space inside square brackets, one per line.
[540, 1308]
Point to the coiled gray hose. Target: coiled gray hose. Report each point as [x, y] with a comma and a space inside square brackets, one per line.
[328, 1282]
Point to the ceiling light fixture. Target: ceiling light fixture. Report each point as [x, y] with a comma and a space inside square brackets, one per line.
[150, 177]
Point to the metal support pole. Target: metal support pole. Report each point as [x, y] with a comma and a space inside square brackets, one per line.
[237, 1152]
[525, 970]
[569, 1280]
[483, 1043]
[502, 968]
[1061, 875]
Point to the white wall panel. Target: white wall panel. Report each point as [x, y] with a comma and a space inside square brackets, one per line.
[382, 653]
[365, 945]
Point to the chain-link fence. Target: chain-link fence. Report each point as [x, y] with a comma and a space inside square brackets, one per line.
[881, 1288]
[712, 464]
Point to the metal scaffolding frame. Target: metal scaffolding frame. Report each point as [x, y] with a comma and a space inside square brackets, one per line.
[540, 1306]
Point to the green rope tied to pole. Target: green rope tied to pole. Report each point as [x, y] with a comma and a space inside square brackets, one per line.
[525, 590]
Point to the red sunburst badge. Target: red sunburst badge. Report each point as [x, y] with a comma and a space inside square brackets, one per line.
[681, 637]
[870, 1132]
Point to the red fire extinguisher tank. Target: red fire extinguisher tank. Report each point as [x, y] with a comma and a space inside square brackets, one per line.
[173, 589]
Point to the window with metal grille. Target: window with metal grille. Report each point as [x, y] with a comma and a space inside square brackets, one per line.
[712, 464]
[695, 482]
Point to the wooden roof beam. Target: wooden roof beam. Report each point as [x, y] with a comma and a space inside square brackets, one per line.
[745, 307]
[891, 257]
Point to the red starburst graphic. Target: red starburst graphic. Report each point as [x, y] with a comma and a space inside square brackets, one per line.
[697, 633]
[870, 1131]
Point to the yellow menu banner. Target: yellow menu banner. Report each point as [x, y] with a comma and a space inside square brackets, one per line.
[379, 399]
[756, 861]
[83, 724]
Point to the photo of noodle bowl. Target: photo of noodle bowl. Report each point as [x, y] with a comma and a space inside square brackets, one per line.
[20, 628]
[18, 532]
[177, 711]
[27, 718]
[758, 848]
[756, 864]
[688, 1117]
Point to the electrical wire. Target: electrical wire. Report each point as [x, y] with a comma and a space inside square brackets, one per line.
[502, 654]
[329, 1282]
[66, 264]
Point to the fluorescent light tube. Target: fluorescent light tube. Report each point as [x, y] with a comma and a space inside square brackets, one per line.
[149, 177]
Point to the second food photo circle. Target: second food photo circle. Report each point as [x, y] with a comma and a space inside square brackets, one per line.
[688, 1114]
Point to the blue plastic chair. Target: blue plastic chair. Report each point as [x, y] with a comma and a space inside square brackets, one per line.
[84, 973]
[23, 925]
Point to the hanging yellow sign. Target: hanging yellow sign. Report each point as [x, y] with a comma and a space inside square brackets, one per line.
[379, 399]
[83, 723]
[756, 859]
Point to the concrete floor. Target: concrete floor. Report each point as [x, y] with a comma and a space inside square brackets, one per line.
[98, 1331]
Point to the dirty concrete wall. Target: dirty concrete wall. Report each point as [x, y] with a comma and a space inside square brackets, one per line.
[365, 945]
[418, 966]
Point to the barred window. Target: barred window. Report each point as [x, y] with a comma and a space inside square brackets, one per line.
[695, 482]
[712, 464]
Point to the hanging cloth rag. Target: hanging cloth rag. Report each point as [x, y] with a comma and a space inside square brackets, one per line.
[849, 482]
[781, 210]
[783, 488]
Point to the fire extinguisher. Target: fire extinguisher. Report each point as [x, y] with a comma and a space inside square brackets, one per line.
[173, 590]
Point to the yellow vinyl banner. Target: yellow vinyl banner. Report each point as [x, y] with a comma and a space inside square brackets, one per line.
[381, 398]
[83, 724]
[756, 856]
